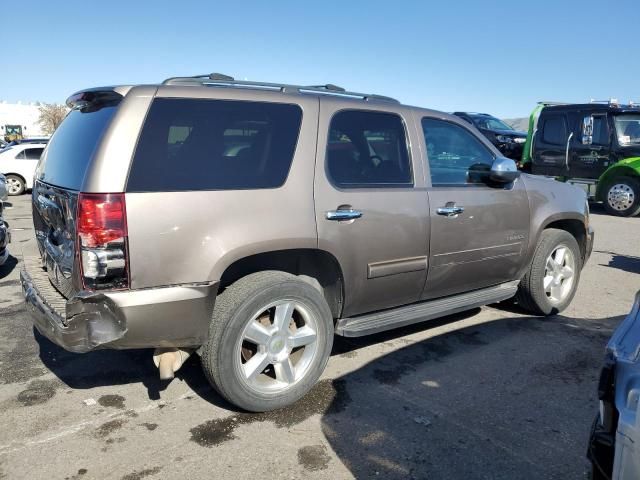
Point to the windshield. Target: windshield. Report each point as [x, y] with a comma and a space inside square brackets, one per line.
[490, 123]
[628, 129]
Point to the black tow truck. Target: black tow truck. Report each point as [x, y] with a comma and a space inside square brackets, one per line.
[594, 145]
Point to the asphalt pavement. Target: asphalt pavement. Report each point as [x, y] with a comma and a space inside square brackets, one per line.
[493, 393]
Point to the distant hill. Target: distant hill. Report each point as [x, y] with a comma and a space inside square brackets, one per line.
[521, 124]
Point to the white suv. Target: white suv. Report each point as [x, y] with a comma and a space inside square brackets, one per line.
[18, 164]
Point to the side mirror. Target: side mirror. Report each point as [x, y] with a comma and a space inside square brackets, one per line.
[587, 130]
[503, 170]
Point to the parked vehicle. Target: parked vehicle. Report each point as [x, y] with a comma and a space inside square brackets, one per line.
[18, 164]
[250, 222]
[614, 446]
[5, 235]
[504, 137]
[26, 140]
[593, 145]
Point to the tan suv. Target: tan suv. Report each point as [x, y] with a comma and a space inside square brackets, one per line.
[250, 222]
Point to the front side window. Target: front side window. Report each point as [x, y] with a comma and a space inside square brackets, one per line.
[628, 129]
[554, 131]
[195, 144]
[600, 130]
[368, 149]
[455, 155]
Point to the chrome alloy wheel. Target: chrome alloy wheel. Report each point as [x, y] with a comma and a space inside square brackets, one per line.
[621, 197]
[277, 347]
[14, 186]
[559, 274]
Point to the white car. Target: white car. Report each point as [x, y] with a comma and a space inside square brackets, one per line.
[18, 164]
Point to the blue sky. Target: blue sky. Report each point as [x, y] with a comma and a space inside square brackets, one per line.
[496, 57]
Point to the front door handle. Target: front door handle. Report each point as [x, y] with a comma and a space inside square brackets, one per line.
[349, 214]
[449, 211]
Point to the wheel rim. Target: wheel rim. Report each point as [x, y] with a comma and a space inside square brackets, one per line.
[559, 274]
[277, 347]
[621, 197]
[14, 186]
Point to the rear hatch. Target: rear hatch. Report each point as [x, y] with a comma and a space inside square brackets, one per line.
[58, 181]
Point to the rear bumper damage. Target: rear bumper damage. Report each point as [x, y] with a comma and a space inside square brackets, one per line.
[168, 317]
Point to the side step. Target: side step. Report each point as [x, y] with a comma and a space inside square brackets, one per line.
[419, 312]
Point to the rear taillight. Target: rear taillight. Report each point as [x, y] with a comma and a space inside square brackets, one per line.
[102, 240]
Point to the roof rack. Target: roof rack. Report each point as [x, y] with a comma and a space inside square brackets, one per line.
[222, 80]
[611, 101]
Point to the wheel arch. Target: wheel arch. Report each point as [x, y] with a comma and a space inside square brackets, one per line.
[629, 167]
[20, 176]
[573, 226]
[316, 264]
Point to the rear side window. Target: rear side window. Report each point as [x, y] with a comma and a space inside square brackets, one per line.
[72, 146]
[33, 153]
[368, 149]
[195, 144]
[555, 131]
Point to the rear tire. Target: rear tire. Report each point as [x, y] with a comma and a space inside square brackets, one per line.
[552, 279]
[622, 196]
[269, 341]
[15, 185]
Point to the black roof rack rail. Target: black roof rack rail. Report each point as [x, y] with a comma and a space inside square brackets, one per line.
[221, 80]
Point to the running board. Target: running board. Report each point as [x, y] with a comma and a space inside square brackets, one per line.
[419, 312]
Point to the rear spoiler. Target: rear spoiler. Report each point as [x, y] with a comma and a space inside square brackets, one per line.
[97, 97]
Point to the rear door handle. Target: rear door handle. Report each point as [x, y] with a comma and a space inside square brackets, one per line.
[449, 211]
[343, 214]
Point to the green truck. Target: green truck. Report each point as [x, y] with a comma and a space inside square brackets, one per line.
[594, 145]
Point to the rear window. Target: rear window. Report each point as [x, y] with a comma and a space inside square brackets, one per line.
[72, 147]
[194, 144]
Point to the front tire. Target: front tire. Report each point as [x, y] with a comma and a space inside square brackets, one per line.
[622, 197]
[15, 185]
[552, 279]
[269, 341]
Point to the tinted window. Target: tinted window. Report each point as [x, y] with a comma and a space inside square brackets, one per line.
[192, 144]
[368, 149]
[455, 155]
[22, 155]
[600, 130]
[33, 153]
[555, 131]
[72, 147]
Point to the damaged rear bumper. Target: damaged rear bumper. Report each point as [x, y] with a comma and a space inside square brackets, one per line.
[77, 326]
[175, 316]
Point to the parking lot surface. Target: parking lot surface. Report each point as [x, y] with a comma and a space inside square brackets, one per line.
[492, 393]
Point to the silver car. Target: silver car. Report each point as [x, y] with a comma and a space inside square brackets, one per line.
[614, 447]
[250, 222]
[5, 236]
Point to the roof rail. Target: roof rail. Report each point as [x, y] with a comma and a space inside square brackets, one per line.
[550, 104]
[221, 80]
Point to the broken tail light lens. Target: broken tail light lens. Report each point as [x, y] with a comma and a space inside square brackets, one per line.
[102, 240]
